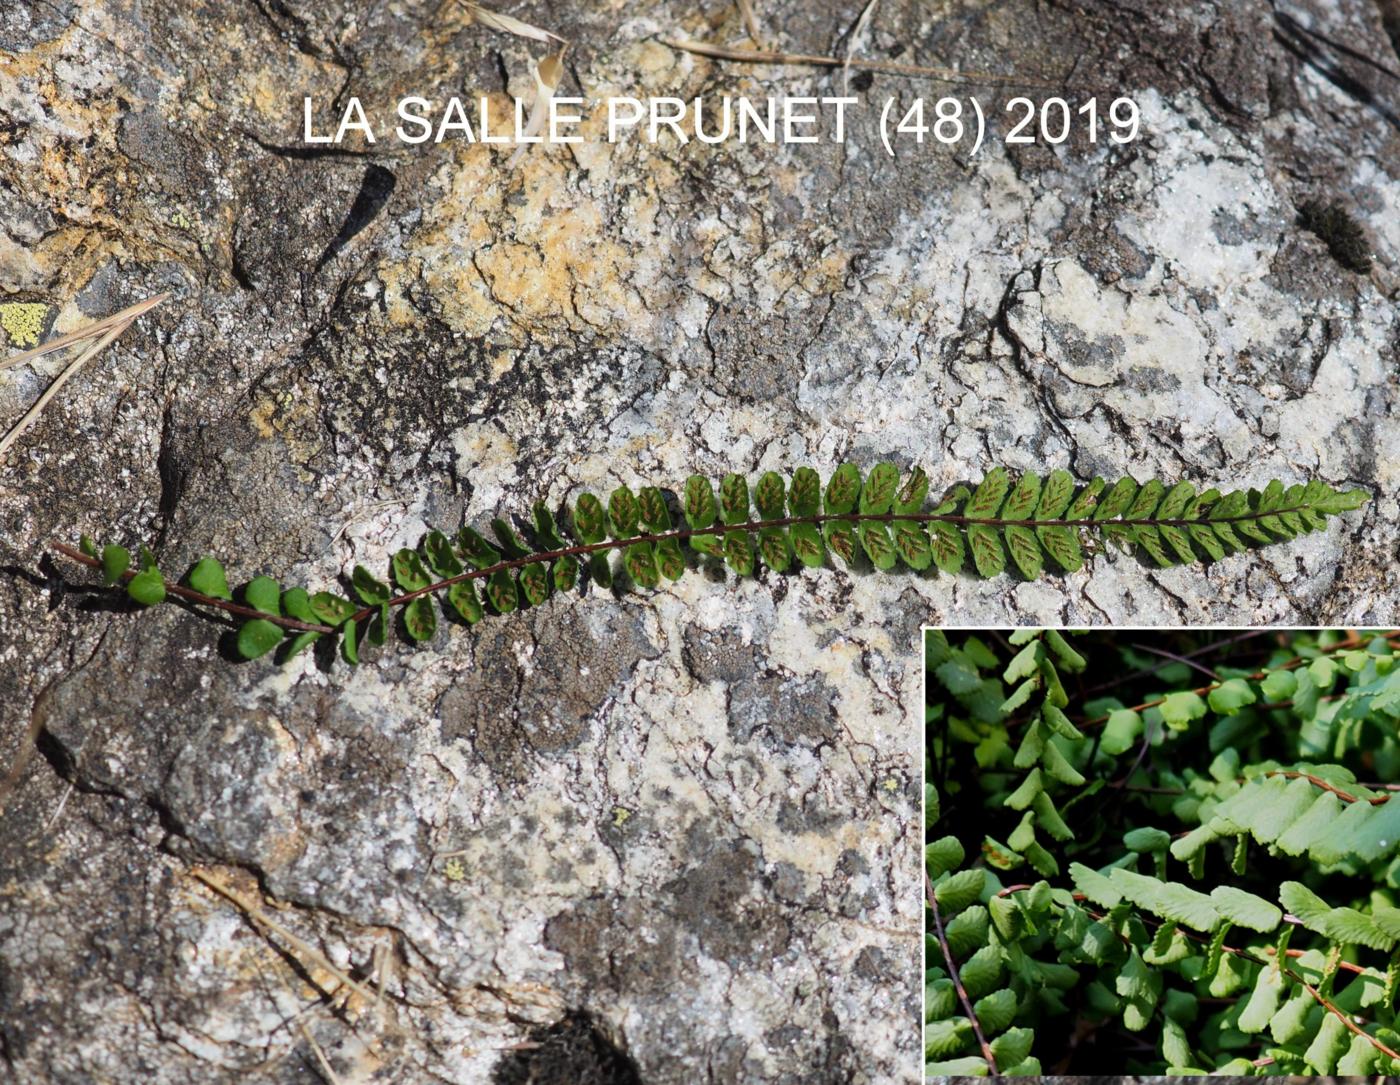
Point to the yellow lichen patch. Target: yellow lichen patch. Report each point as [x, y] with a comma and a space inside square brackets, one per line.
[501, 362]
[652, 61]
[291, 417]
[395, 279]
[262, 417]
[23, 322]
[482, 443]
[530, 250]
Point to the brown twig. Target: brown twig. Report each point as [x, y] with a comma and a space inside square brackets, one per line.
[22, 757]
[1345, 796]
[1174, 658]
[108, 329]
[1343, 1017]
[31, 416]
[122, 319]
[817, 520]
[1148, 734]
[1242, 779]
[254, 912]
[746, 12]
[1340, 1015]
[324, 1064]
[957, 979]
[1215, 646]
[1345, 966]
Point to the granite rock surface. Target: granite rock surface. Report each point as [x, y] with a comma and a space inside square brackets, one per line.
[668, 838]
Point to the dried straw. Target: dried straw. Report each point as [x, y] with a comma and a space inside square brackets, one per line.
[126, 316]
[508, 24]
[750, 21]
[308, 952]
[113, 326]
[946, 75]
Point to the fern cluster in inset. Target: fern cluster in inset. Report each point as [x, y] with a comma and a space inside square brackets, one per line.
[1138, 905]
[877, 520]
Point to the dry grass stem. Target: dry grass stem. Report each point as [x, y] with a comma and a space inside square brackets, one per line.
[298, 1016]
[326, 1068]
[22, 758]
[746, 12]
[52, 390]
[112, 326]
[253, 911]
[125, 317]
[508, 24]
[67, 792]
[384, 951]
[945, 75]
[549, 73]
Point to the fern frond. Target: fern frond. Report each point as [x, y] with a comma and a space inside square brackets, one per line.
[871, 518]
[1299, 813]
[1143, 949]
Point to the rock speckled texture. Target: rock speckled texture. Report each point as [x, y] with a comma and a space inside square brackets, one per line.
[663, 839]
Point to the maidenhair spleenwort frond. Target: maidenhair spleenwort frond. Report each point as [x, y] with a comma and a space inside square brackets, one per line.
[1025, 523]
[1212, 876]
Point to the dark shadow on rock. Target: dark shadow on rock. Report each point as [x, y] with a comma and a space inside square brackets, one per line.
[1332, 224]
[227, 647]
[1311, 49]
[375, 189]
[572, 1052]
[19, 572]
[89, 598]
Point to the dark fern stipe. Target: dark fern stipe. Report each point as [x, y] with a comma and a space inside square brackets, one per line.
[779, 523]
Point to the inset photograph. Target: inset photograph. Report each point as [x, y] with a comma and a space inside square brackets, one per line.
[1162, 852]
